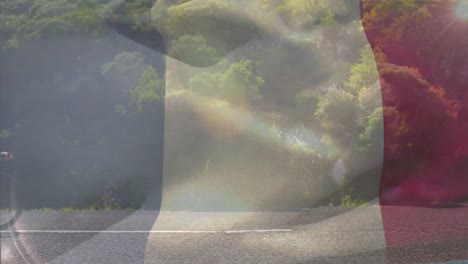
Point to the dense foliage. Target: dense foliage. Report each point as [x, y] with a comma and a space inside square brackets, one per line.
[271, 94]
[423, 75]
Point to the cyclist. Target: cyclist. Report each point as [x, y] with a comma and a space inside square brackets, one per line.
[8, 184]
[5, 160]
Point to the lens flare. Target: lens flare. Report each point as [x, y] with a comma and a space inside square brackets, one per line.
[224, 121]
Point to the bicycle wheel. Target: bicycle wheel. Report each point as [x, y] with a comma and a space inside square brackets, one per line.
[11, 209]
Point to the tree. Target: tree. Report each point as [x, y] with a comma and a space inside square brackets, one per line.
[307, 13]
[371, 140]
[364, 73]
[302, 62]
[149, 90]
[337, 113]
[192, 49]
[213, 20]
[421, 131]
[421, 34]
[125, 69]
[240, 84]
[307, 101]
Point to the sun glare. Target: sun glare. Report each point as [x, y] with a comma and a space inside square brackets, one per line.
[461, 9]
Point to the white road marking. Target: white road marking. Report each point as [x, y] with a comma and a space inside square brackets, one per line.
[257, 231]
[148, 231]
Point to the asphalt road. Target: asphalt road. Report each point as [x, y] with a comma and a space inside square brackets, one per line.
[321, 235]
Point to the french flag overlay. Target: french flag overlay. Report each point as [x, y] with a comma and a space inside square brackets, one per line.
[255, 131]
[421, 49]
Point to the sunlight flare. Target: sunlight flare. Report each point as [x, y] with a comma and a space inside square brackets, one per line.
[461, 9]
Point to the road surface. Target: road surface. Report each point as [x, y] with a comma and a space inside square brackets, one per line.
[320, 235]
